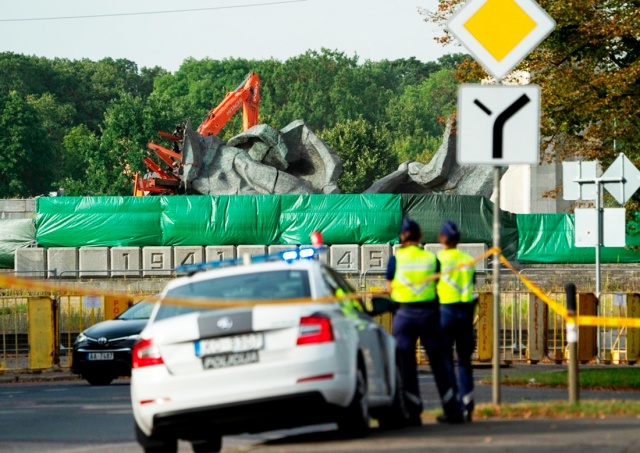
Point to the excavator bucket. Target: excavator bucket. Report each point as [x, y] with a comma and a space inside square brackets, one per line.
[185, 161]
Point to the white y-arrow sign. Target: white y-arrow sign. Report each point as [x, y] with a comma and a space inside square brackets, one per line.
[498, 125]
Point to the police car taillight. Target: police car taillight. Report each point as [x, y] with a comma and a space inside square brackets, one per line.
[146, 353]
[315, 329]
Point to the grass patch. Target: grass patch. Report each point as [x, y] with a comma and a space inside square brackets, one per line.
[553, 409]
[593, 379]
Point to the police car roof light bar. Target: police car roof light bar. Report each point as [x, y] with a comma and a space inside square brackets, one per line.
[286, 255]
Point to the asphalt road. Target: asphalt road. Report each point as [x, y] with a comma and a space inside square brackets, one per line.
[72, 416]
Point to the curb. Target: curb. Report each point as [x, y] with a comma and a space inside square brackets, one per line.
[53, 374]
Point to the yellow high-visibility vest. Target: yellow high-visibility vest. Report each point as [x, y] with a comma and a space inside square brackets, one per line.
[455, 283]
[414, 266]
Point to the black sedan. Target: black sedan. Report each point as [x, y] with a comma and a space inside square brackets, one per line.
[102, 352]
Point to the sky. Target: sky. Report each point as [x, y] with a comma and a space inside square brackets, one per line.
[218, 29]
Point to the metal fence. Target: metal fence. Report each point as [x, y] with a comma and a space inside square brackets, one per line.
[524, 321]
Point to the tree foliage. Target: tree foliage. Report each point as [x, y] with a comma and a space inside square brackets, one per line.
[25, 150]
[364, 152]
[419, 115]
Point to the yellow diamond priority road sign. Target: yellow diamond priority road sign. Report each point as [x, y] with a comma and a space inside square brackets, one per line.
[500, 33]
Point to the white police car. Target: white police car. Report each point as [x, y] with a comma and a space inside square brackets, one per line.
[259, 347]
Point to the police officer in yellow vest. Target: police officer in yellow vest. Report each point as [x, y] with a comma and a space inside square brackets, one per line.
[457, 307]
[411, 281]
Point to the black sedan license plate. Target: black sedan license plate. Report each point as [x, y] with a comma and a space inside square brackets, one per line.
[100, 356]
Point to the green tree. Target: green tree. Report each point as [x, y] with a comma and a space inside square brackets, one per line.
[91, 86]
[26, 156]
[25, 74]
[417, 118]
[105, 164]
[364, 151]
[81, 147]
[55, 118]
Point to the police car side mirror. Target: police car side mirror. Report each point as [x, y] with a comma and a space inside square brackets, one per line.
[380, 305]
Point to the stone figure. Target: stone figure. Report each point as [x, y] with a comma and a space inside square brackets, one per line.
[261, 160]
[441, 175]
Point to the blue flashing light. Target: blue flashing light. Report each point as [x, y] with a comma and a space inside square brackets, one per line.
[290, 255]
[307, 252]
[287, 255]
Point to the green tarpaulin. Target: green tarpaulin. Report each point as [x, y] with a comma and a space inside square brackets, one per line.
[342, 219]
[549, 238]
[260, 219]
[473, 215]
[290, 219]
[220, 220]
[15, 233]
[98, 221]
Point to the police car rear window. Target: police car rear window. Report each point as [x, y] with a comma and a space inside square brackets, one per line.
[258, 286]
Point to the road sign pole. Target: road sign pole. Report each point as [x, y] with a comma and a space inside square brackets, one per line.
[496, 288]
[599, 213]
[572, 343]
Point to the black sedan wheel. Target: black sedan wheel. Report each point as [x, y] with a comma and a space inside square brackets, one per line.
[98, 379]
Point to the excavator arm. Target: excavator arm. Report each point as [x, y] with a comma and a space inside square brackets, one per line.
[167, 182]
[246, 95]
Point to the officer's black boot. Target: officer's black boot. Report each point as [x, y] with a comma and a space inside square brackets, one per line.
[452, 414]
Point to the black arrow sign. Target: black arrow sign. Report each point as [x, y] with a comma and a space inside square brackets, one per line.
[498, 125]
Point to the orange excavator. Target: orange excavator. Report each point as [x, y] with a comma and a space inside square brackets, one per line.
[167, 181]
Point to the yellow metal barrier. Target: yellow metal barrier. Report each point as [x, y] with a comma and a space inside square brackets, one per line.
[14, 345]
[42, 338]
[114, 305]
[537, 328]
[587, 344]
[633, 333]
[485, 327]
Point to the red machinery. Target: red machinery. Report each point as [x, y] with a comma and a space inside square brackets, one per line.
[167, 181]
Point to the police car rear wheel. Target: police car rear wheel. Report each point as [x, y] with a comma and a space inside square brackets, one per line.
[354, 420]
[154, 444]
[397, 415]
[211, 445]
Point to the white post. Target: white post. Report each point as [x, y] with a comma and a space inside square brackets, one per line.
[496, 289]
[599, 240]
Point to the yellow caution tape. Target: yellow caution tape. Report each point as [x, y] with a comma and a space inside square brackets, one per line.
[486, 254]
[605, 321]
[555, 306]
[227, 303]
[57, 287]
[561, 310]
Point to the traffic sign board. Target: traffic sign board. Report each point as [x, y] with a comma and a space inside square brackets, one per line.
[498, 125]
[578, 180]
[500, 33]
[587, 225]
[629, 179]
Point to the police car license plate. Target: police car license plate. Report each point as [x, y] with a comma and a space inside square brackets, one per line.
[229, 360]
[100, 356]
[230, 351]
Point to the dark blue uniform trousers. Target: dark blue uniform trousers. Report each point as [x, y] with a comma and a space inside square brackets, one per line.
[408, 325]
[457, 329]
